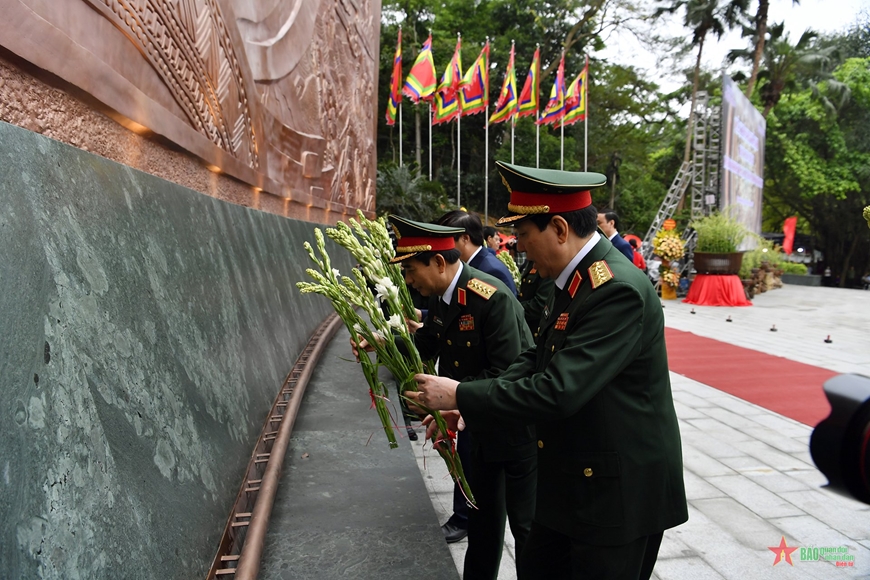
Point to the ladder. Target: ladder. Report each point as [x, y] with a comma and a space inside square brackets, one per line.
[699, 154]
[669, 205]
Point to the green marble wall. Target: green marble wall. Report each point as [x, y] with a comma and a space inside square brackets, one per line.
[144, 331]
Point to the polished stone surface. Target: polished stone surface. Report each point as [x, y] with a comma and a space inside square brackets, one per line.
[348, 506]
[145, 330]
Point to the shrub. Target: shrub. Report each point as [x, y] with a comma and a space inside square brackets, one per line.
[718, 233]
[793, 268]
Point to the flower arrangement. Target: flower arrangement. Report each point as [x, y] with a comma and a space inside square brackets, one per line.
[369, 242]
[508, 261]
[670, 278]
[668, 245]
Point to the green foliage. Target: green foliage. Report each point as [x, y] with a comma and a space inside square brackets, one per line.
[764, 251]
[402, 191]
[793, 268]
[718, 233]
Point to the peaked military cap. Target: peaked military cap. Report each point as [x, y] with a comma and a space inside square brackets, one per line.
[538, 191]
[413, 237]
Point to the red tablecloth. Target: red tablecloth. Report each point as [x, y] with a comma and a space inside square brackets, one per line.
[717, 290]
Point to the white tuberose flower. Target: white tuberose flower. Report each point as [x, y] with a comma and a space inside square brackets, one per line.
[395, 321]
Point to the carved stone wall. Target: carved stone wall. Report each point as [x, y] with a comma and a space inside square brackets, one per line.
[275, 94]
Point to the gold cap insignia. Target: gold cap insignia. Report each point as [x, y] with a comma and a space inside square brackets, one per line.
[481, 288]
[599, 273]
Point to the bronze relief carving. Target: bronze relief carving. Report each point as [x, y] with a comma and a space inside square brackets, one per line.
[275, 93]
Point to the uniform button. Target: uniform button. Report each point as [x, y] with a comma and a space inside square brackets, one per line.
[468, 343]
[536, 335]
[456, 363]
[553, 348]
[449, 342]
[540, 444]
[520, 294]
[587, 472]
[438, 335]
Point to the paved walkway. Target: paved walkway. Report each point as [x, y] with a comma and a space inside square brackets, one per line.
[748, 472]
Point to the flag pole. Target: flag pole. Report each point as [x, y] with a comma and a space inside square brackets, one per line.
[401, 163]
[458, 135]
[586, 118]
[537, 127]
[562, 151]
[486, 146]
[430, 130]
[513, 124]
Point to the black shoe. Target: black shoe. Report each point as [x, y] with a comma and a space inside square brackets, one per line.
[453, 533]
[412, 435]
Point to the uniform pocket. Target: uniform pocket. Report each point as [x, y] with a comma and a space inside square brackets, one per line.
[597, 485]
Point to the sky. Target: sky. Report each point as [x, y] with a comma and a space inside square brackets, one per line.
[820, 15]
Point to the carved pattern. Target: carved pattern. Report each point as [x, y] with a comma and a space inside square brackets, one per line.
[188, 45]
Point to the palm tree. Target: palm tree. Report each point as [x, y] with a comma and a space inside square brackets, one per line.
[784, 64]
[758, 34]
[704, 17]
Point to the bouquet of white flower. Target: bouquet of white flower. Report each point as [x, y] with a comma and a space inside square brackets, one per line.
[371, 246]
[508, 261]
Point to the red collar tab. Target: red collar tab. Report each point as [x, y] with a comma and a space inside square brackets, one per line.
[575, 283]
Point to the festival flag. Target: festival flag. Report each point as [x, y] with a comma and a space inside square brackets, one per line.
[447, 96]
[506, 106]
[420, 83]
[556, 106]
[395, 82]
[575, 99]
[474, 96]
[788, 228]
[529, 97]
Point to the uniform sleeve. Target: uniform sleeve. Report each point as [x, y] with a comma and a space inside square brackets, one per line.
[534, 308]
[504, 333]
[601, 343]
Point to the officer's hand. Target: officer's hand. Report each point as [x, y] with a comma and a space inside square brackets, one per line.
[359, 343]
[437, 393]
[412, 325]
[454, 421]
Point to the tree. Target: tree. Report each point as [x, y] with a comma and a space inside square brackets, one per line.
[818, 167]
[758, 35]
[704, 17]
[403, 191]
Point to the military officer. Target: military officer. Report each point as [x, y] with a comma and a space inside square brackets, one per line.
[475, 328]
[610, 477]
[534, 294]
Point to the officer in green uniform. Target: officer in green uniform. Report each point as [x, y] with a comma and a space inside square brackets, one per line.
[475, 328]
[610, 475]
[534, 294]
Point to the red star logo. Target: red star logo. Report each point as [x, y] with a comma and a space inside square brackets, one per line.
[783, 552]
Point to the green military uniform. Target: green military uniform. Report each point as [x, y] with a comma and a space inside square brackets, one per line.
[534, 293]
[480, 333]
[598, 389]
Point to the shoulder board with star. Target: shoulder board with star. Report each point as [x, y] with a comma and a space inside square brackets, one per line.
[599, 273]
[481, 288]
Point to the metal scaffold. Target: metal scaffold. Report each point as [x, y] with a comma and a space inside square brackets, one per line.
[701, 172]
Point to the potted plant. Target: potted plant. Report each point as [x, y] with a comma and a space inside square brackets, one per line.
[719, 236]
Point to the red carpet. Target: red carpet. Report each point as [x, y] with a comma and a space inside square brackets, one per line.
[786, 387]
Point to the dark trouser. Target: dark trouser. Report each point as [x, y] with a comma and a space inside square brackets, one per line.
[551, 555]
[460, 504]
[503, 490]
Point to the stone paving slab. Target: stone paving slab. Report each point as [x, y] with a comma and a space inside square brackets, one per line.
[748, 473]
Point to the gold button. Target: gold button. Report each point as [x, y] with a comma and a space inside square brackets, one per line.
[536, 335]
[553, 348]
[468, 343]
[449, 342]
[540, 444]
[520, 294]
[587, 472]
[438, 335]
[456, 363]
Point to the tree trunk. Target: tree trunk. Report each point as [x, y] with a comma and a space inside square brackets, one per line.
[761, 33]
[695, 82]
[845, 270]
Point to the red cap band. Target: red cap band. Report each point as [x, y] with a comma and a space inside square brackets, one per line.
[438, 244]
[557, 202]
